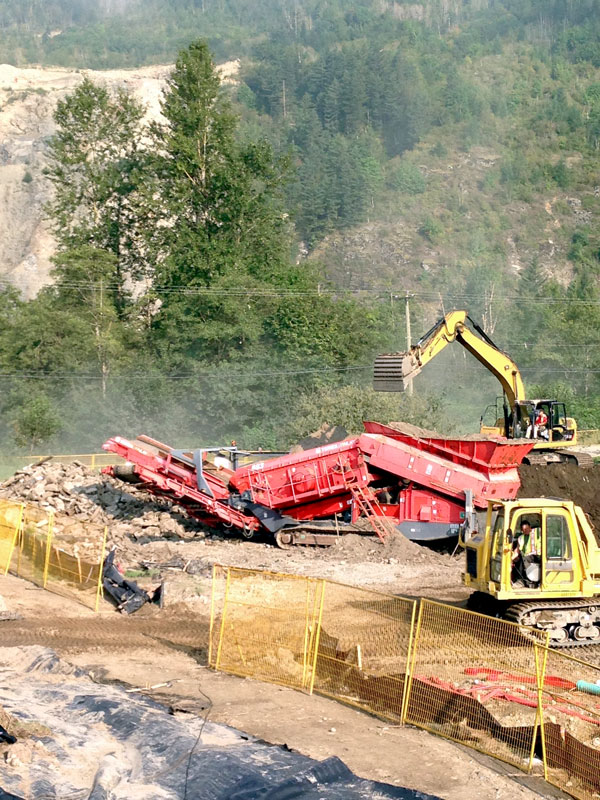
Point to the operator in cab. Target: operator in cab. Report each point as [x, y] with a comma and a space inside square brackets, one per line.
[526, 556]
[538, 427]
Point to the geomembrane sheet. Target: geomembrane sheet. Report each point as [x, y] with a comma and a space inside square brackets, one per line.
[104, 743]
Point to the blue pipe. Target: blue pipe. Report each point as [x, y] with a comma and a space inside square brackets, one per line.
[590, 688]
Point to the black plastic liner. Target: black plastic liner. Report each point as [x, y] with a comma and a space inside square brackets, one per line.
[152, 753]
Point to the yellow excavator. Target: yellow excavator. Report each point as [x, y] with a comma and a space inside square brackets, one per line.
[546, 578]
[546, 421]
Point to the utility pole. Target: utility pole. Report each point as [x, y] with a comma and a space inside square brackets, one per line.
[408, 336]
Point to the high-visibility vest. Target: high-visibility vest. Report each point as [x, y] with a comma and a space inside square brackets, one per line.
[529, 544]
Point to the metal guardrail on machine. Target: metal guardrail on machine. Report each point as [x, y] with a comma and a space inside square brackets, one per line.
[96, 461]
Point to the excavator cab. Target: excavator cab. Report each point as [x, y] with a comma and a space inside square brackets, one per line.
[500, 419]
[520, 422]
[544, 575]
[562, 427]
[511, 560]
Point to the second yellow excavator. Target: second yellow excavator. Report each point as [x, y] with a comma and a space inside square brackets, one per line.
[544, 420]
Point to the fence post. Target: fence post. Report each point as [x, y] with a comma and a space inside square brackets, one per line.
[212, 614]
[222, 631]
[311, 629]
[99, 589]
[307, 633]
[413, 658]
[408, 673]
[33, 538]
[13, 543]
[540, 674]
[48, 546]
[21, 539]
[317, 637]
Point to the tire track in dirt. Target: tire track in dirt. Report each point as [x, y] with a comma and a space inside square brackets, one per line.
[76, 634]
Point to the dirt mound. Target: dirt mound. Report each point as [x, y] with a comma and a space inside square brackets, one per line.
[407, 429]
[565, 482]
[397, 548]
[413, 430]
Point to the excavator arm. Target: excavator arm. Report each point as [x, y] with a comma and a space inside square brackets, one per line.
[394, 370]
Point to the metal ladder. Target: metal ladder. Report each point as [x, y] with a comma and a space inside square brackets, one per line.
[368, 504]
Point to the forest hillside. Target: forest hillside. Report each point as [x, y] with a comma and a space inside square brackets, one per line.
[448, 150]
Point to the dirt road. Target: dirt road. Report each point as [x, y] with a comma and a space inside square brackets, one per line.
[170, 646]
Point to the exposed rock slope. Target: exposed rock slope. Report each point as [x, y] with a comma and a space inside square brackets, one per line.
[28, 98]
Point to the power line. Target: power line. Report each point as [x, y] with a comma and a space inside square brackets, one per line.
[249, 376]
[250, 292]
[552, 345]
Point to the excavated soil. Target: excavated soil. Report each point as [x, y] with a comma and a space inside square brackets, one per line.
[396, 549]
[565, 482]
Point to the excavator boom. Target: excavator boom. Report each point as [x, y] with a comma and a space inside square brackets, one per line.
[393, 371]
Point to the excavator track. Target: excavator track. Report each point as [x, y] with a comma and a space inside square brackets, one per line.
[320, 533]
[563, 635]
[549, 457]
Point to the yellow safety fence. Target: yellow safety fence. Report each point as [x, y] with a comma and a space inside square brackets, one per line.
[588, 436]
[484, 682]
[312, 634]
[29, 549]
[466, 678]
[571, 706]
[10, 464]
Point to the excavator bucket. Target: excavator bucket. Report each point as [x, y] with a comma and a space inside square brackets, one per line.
[394, 371]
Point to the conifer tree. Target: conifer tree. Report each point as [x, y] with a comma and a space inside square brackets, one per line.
[222, 225]
[95, 168]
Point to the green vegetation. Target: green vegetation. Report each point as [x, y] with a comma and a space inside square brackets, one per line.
[465, 145]
[142, 573]
[175, 298]
[36, 422]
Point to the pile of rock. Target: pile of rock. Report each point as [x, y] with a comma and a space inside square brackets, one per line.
[85, 501]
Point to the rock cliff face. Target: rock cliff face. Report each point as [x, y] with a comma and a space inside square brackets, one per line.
[28, 98]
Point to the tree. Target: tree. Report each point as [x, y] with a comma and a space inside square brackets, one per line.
[222, 221]
[95, 166]
[83, 288]
[36, 422]
[349, 405]
[532, 314]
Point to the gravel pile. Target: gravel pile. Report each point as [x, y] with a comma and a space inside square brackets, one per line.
[85, 501]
